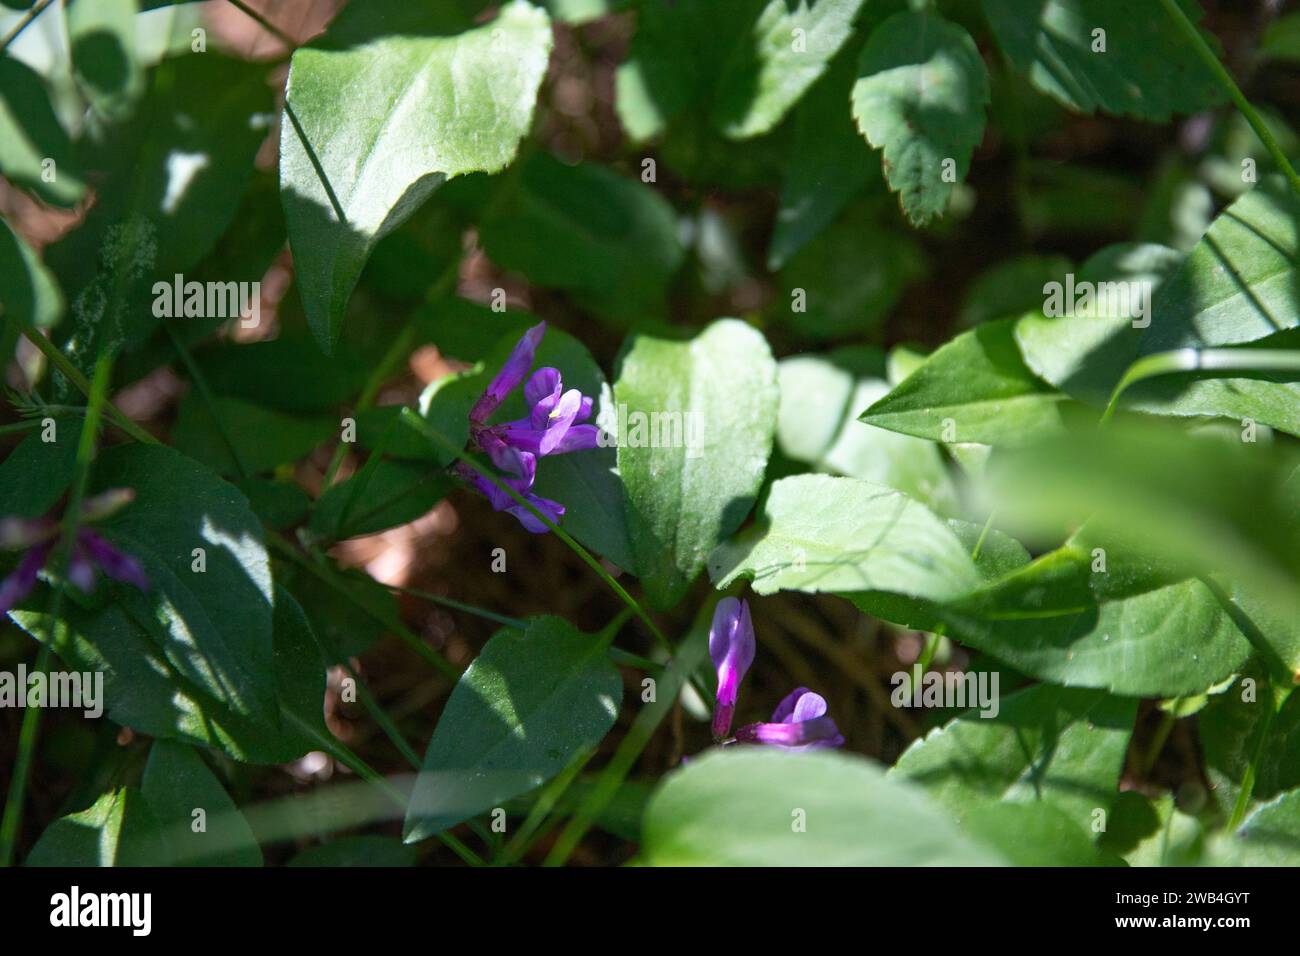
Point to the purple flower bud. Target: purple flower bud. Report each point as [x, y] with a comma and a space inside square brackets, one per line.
[553, 510]
[798, 723]
[20, 583]
[18, 534]
[501, 501]
[511, 374]
[731, 645]
[115, 563]
[106, 503]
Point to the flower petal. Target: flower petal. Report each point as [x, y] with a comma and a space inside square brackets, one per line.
[543, 384]
[23, 578]
[117, 564]
[511, 374]
[731, 647]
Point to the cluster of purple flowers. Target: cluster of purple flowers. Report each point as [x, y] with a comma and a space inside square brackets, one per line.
[800, 721]
[555, 426]
[91, 552]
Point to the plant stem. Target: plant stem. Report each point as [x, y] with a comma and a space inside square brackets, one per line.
[37, 9]
[1194, 360]
[1167, 721]
[436, 660]
[17, 795]
[383, 720]
[392, 358]
[638, 736]
[438, 438]
[344, 755]
[1248, 779]
[1229, 85]
[546, 802]
[200, 383]
[455, 605]
[266, 24]
[54, 355]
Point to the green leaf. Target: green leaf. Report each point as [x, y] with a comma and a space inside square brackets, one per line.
[610, 241]
[393, 493]
[30, 135]
[1084, 352]
[1147, 69]
[920, 97]
[176, 784]
[974, 389]
[103, 40]
[357, 851]
[1229, 729]
[277, 504]
[29, 295]
[818, 534]
[1011, 288]
[214, 625]
[1237, 286]
[771, 67]
[378, 113]
[1269, 837]
[717, 394]
[1034, 834]
[738, 65]
[743, 806]
[1123, 629]
[1200, 503]
[847, 280]
[347, 617]
[144, 690]
[202, 656]
[529, 702]
[262, 437]
[1052, 744]
[288, 373]
[171, 181]
[34, 476]
[821, 398]
[119, 830]
[828, 165]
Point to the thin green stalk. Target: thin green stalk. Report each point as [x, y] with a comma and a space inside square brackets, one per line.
[455, 605]
[1199, 360]
[344, 755]
[1248, 779]
[541, 809]
[1229, 85]
[20, 426]
[402, 344]
[54, 355]
[200, 383]
[266, 24]
[438, 438]
[979, 544]
[1167, 721]
[37, 9]
[436, 660]
[27, 734]
[383, 720]
[692, 654]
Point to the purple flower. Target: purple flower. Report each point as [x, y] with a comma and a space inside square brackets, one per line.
[511, 374]
[731, 645]
[798, 723]
[90, 550]
[554, 426]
